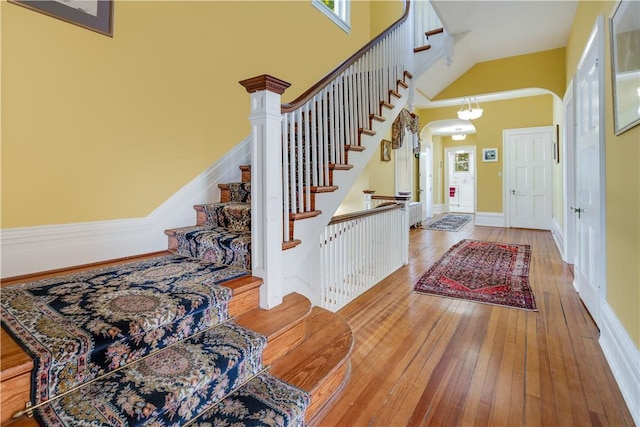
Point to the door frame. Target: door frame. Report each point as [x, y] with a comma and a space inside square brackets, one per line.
[425, 186]
[445, 160]
[506, 166]
[568, 173]
[597, 38]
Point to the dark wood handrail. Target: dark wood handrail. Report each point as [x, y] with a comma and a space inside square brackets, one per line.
[313, 90]
[394, 198]
[362, 214]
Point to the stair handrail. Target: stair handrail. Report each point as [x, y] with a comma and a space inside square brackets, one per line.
[317, 87]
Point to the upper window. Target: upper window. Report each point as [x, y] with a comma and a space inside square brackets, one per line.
[336, 10]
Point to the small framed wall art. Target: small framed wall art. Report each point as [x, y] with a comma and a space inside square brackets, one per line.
[385, 151]
[489, 154]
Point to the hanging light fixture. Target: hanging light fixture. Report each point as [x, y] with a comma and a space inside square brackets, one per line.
[458, 136]
[467, 112]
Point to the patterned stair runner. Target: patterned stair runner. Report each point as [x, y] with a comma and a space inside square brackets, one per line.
[83, 325]
[225, 235]
[145, 343]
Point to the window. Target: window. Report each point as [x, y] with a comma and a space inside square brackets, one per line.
[336, 10]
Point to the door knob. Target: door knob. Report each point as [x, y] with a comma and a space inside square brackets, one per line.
[513, 192]
[576, 210]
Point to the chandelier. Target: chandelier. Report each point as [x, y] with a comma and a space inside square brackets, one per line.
[467, 112]
[458, 136]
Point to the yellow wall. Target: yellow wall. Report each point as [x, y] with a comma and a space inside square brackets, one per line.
[622, 183]
[99, 128]
[383, 14]
[543, 70]
[377, 175]
[498, 115]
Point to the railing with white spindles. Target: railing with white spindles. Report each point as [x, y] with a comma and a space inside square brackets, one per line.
[357, 251]
[324, 123]
[424, 19]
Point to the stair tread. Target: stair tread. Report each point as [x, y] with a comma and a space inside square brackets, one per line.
[290, 244]
[354, 147]
[340, 167]
[327, 345]
[271, 323]
[421, 48]
[303, 215]
[285, 407]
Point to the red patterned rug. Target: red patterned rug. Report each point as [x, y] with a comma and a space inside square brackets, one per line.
[487, 272]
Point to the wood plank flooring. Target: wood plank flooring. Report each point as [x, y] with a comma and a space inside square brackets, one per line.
[423, 360]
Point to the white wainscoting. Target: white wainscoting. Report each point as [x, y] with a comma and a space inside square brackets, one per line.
[624, 359]
[489, 219]
[33, 249]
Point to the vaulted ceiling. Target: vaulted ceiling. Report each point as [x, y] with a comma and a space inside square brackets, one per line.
[487, 30]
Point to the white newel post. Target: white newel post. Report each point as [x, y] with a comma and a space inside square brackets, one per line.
[266, 186]
[405, 228]
[368, 202]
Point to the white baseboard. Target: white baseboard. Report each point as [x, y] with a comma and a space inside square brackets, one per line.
[438, 209]
[489, 219]
[558, 237]
[28, 250]
[624, 359]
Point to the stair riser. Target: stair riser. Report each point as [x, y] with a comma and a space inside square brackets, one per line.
[327, 392]
[282, 344]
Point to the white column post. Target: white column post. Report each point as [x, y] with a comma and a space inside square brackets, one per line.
[266, 186]
[405, 228]
[368, 203]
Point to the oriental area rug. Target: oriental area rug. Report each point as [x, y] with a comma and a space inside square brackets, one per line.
[451, 222]
[486, 272]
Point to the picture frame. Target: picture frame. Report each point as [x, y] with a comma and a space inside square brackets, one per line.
[489, 154]
[556, 146]
[624, 27]
[94, 15]
[385, 150]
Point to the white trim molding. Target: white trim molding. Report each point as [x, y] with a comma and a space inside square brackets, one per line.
[558, 237]
[623, 358]
[489, 219]
[28, 250]
[439, 209]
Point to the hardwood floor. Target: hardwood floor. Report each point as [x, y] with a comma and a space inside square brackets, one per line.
[423, 360]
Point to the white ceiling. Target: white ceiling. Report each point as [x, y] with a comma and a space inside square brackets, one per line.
[487, 30]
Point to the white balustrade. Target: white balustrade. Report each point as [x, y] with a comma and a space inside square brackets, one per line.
[359, 250]
[317, 130]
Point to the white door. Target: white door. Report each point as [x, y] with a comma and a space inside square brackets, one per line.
[460, 182]
[589, 195]
[426, 182]
[529, 188]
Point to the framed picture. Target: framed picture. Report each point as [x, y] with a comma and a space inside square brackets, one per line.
[489, 154]
[556, 145]
[94, 15]
[624, 24]
[385, 151]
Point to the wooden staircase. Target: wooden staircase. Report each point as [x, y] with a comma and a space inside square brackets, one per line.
[307, 347]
